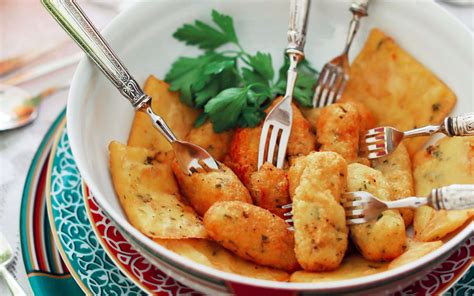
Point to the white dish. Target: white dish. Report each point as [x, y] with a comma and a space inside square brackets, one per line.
[141, 35]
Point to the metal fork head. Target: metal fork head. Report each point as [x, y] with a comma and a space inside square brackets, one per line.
[381, 141]
[331, 82]
[192, 158]
[361, 207]
[275, 134]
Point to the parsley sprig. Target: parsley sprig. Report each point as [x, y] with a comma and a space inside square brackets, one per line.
[233, 87]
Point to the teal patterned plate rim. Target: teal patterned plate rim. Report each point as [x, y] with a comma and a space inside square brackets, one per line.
[84, 256]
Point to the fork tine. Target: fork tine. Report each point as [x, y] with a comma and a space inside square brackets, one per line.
[342, 87]
[334, 89]
[326, 86]
[262, 144]
[289, 220]
[272, 144]
[284, 137]
[375, 131]
[377, 154]
[350, 213]
[287, 206]
[356, 221]
[288, 214]
[375, 139]
[319, 84]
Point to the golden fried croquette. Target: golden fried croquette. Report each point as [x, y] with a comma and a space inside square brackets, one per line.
[269, 189]
[414, 251]
[396, 167]
[217, 144]
[338, 130]
[334, 175]
[384, 238]
[203, 189]
[321, 234]
[252, 233]
[244, 145]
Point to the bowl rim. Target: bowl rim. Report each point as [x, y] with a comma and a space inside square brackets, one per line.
[74, 126]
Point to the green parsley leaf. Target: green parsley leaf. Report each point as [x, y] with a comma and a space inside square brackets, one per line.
[262, 64]
[207, 37]
[224, 110]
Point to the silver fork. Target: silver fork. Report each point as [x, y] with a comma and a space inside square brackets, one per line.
[280, 118]
[362, 207]
[334, 75]
[381, 141]
[74, 21]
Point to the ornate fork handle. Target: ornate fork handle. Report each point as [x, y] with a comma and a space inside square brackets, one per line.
[453, 197]
[359, 9]
[299, 10]
[461, 125]
[70, 16]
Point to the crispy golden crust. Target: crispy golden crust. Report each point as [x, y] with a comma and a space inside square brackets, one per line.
[149, 194]
[383, 239]
[396, 168]
[204, 189]
[269, 189]
[449, 161]
[338, 130]
[302, 138]
[252, 233]
[211, 254]
[334, 172]
[352, 266]
[398, 90]
[217, 144]
[414, 251]
[178, 116]
[431, 225]
[319, 220]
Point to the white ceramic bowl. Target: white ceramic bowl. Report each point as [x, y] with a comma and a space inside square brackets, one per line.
[97, 114]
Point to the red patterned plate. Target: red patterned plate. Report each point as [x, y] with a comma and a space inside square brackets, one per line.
[153, 280]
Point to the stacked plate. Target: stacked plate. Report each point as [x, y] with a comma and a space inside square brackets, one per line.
[71, 246]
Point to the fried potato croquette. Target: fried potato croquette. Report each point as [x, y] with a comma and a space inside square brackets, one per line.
[338, 130]
[396, 88]
[333, 175]
[212, 254]
[150, 196]
[252, 233]
[269, 189]
[396, 167]
[244, 145]
[383, 239]
[431, 225]
[217, 144]
[179, 117]
[319, 221]
[352, 266]
[203, 189]
[414, 251]
[449, 161]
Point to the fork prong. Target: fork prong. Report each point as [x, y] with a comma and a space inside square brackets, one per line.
[376, 147]
[334, 89]
[289, 220]
[356, 221]
[375, 139]
[272, 144]
[354, 204]
[291, 228]
[287, 206]
[375, 131]
[377, 154]
[319, 85]
[328, 83]
[351, 213]
[284, 138]
[263, 143]
[288, 214]
[341, 88]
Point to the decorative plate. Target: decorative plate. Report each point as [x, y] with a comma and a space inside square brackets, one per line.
[97, 270]
[47, 272]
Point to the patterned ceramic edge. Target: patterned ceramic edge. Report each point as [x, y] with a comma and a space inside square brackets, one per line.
[126, 257]
[46, 271]
[87, 261]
